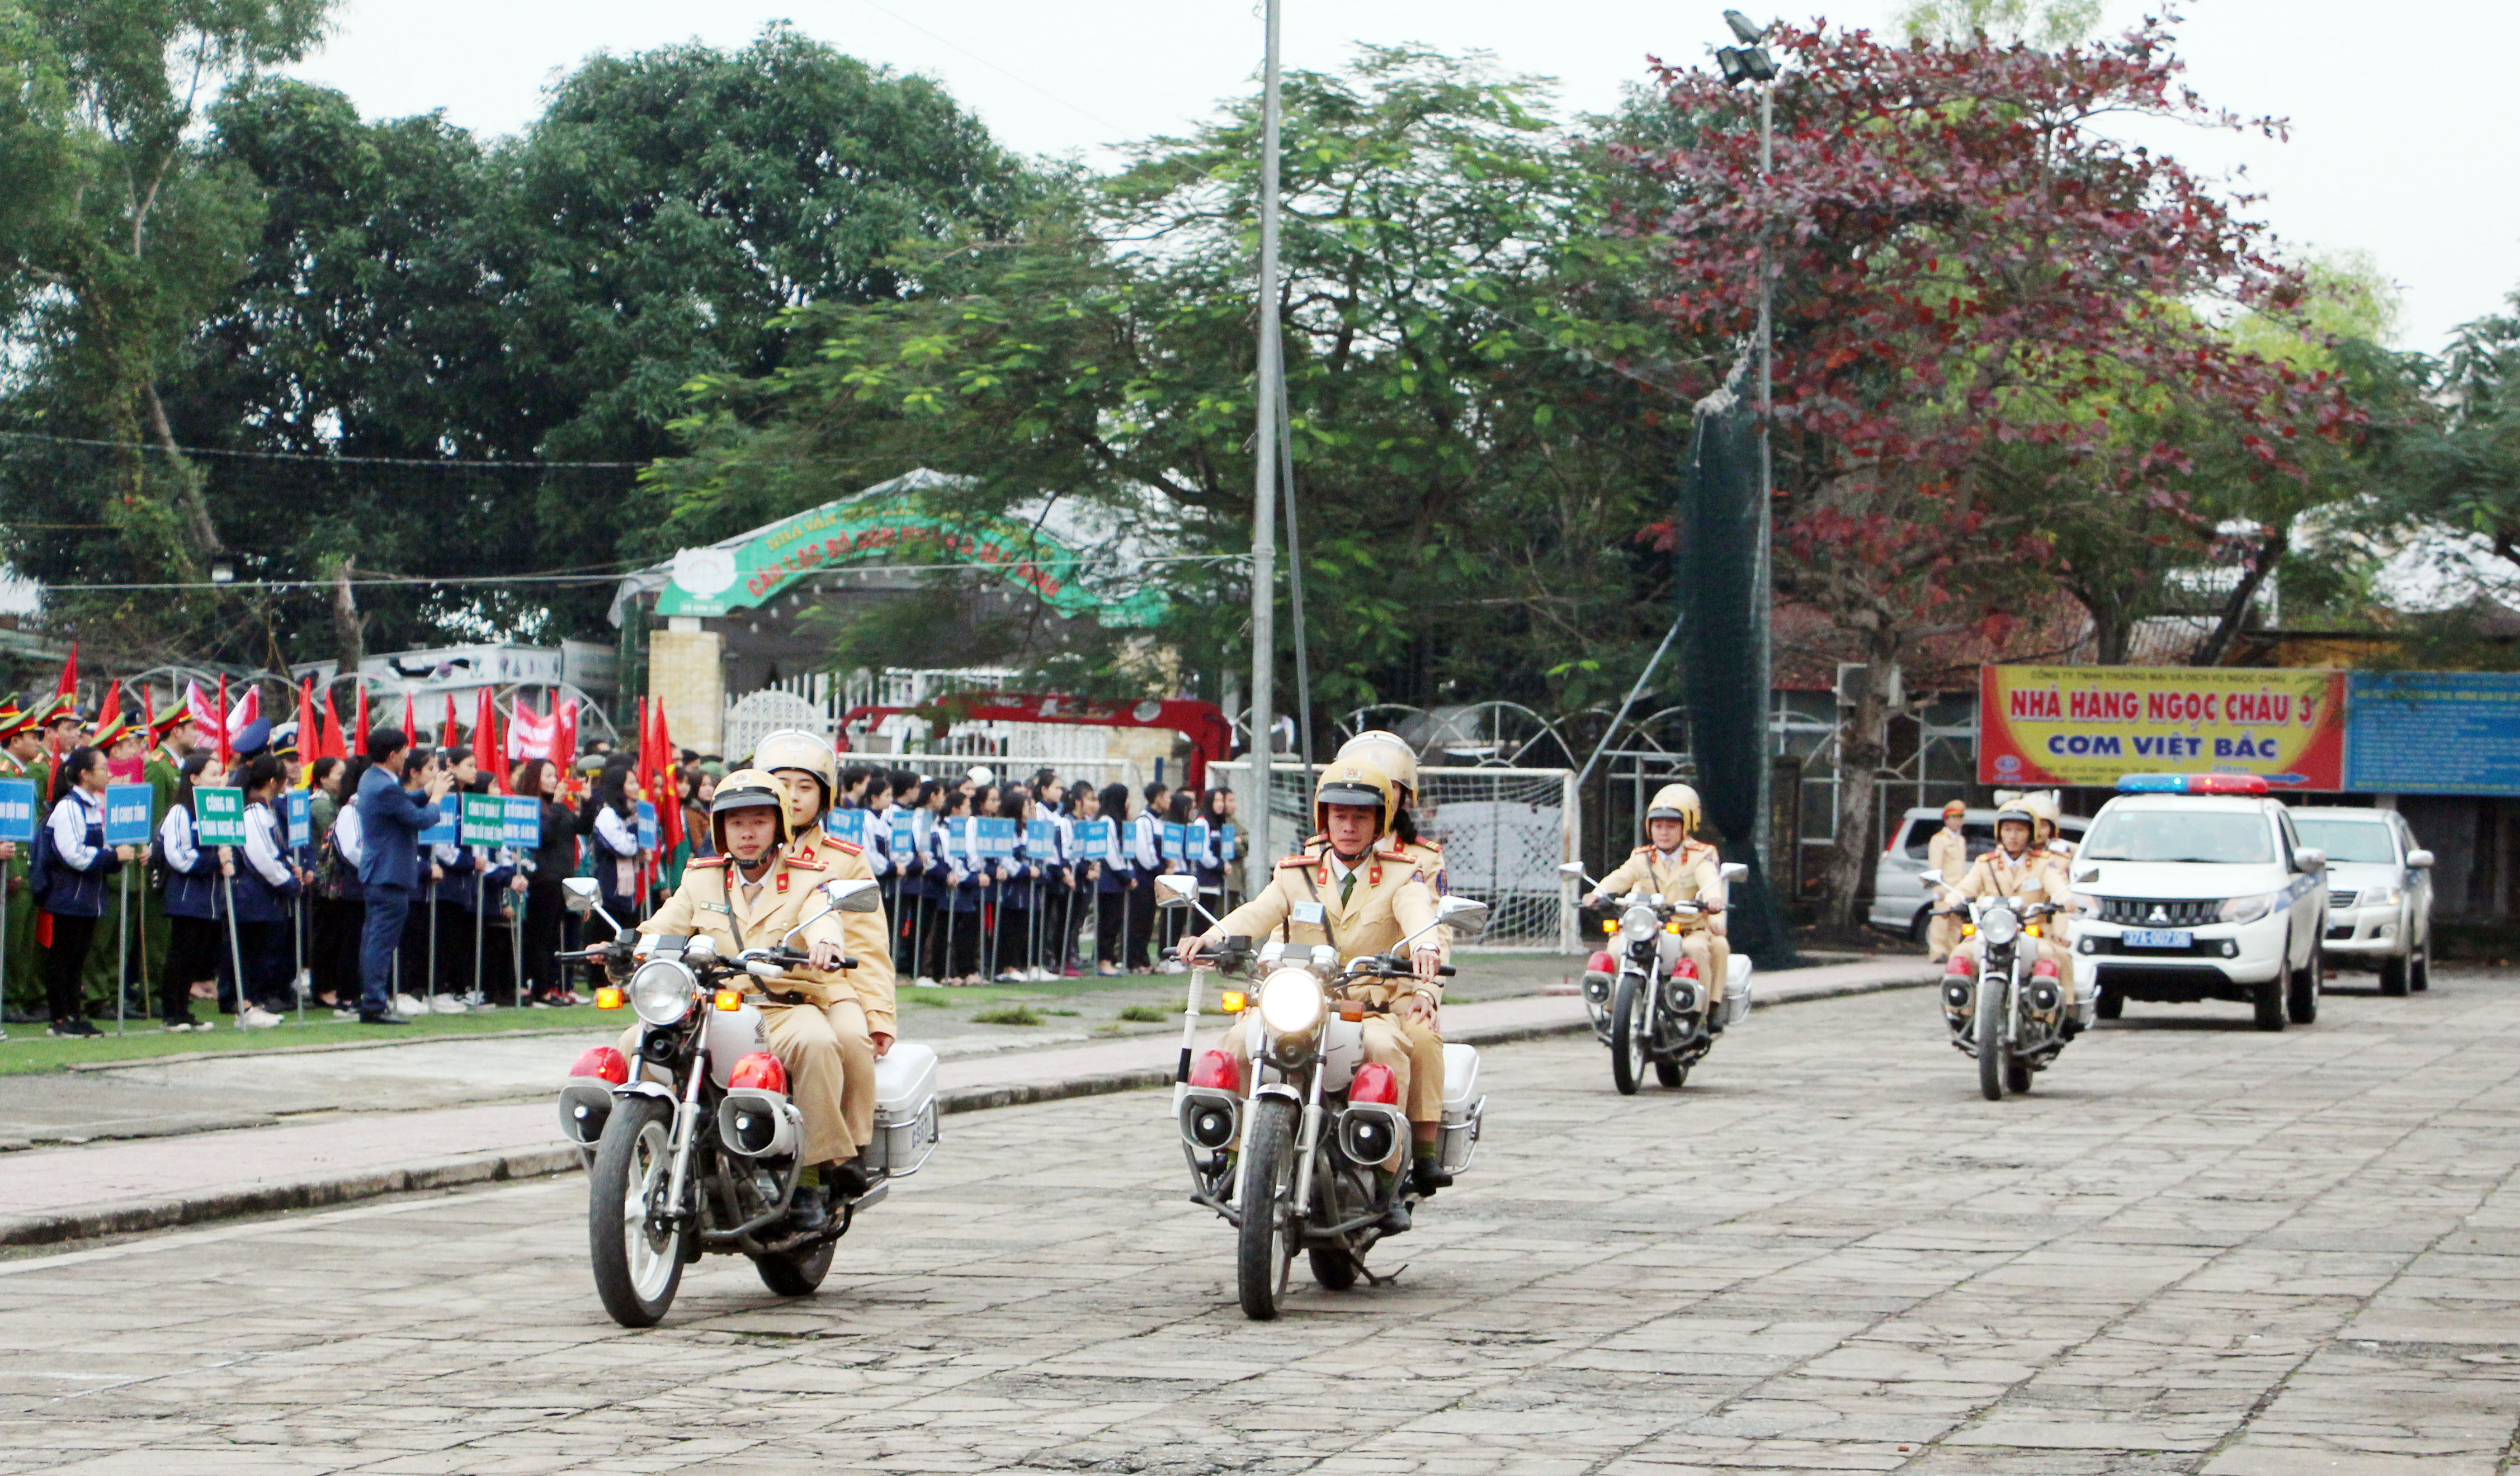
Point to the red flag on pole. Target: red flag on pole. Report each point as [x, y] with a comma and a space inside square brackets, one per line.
[68, 687]
[333, 745]
[226, 749]
[409, 718]
[113, 708]
[448, 735]
[669, 789]
[362, 734]
[486, 747]
[310, 729]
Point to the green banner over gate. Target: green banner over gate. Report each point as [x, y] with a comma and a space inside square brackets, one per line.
[896, 526]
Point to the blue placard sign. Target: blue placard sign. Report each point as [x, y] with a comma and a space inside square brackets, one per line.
[447, 832]
[1225, 842]
[995, 835]
[905, 833]
[1093, 839]
[524, 821]
[1176, 841]
[126, 814]
[648, 832]
[1041, 840]
[2432, 732]
[219, 816]
[484, 821]
[302, 819]
[849, 825]
[16, 809]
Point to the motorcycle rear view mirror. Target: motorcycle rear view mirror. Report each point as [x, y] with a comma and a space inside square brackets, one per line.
[855, 894]
[578, 894]
[1573, 869]
[1175, 890]
[1734, 871]
[1464, 916]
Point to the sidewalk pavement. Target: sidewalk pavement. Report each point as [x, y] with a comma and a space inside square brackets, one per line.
[108, 1188]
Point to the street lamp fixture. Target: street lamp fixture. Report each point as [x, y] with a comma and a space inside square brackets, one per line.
[222, 572]
[1744, 64]
[1743, 30]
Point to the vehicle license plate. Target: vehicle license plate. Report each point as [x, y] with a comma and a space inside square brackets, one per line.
[2157, 938]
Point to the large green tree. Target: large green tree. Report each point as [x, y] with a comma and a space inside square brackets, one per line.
[1475, 470]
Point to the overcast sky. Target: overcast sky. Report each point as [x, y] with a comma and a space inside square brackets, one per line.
[2404, 116]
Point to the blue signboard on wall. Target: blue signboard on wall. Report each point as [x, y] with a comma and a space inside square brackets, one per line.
[2432, 732]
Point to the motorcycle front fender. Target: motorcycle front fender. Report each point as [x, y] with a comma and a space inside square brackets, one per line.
[655, 1089]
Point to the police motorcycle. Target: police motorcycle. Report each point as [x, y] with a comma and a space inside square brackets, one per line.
[698, 1152]
[1638, 1011]
[1299, 1164]
[2007, 1008]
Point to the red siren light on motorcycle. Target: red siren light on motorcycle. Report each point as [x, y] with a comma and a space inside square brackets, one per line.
[2043, 969]
[1961, 963]
[602, 1062]
[1374, 1083]
[1601, 964]
[1687, 969]
[760, 1072]
[1217, 1069]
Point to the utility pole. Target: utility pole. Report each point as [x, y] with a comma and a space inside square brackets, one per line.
[1262, 858]
[1749, 62]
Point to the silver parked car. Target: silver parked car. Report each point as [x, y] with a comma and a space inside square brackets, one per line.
[2379, 893]
[1899, 901]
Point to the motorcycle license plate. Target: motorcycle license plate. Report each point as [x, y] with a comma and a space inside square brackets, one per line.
[2157, 938]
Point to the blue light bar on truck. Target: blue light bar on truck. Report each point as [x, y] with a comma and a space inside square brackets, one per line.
[2192, 783]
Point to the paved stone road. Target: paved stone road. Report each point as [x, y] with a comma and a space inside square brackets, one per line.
[2195, 1249]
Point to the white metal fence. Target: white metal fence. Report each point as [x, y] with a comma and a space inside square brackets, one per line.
[1504, 832]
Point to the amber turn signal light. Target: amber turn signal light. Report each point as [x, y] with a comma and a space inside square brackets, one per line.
[609, 996]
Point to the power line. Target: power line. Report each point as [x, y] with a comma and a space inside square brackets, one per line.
[322, 456]
[368, 581]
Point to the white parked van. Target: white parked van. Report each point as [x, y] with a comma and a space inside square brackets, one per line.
[2379, 893]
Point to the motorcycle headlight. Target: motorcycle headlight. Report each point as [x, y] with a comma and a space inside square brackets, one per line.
[2250, 909]
[661, 990]
[1290, 1003]
[2000, 925]
[1638, 922]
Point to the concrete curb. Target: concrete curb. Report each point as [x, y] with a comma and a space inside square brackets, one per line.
[133, 1216]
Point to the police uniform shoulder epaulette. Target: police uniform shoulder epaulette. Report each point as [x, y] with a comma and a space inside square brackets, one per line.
[848, 848]
[707, 862]
[1640, 850]
[804, 861]
[1428, 846]
[1297, 863]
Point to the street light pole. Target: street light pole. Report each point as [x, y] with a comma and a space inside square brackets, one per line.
[1746, 62]
[1264, 550]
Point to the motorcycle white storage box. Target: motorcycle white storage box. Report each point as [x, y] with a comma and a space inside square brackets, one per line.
[905, 1109]
[1737, 991]
[1463, 1108]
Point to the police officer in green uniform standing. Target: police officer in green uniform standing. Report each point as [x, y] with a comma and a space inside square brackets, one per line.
[21, 748]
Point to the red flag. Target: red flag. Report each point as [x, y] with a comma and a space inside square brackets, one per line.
[448, 732]
[226, 750]
[362, 734]
[486, 747]
[564, 739]
[669, 788]
[409, 718]
[113, 708]
[310, 731]
[68, 687]
[334, 747]
[148, 710]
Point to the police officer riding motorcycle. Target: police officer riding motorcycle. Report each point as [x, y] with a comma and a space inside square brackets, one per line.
[2007, 990]
[1669, 984]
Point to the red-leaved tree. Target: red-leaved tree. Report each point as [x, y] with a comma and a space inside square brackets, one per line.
[1964, 267]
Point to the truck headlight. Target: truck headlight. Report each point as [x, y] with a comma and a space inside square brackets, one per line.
[2250, 909]
[660, 992]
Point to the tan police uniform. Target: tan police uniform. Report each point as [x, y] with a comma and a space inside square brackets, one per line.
[1948, 854]
[825, 1043]
[1309, 901]
[2037, 876]
[1692, 874]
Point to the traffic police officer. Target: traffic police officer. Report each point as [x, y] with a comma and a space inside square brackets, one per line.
[1948, 854]
[1678, 869]
[1352, 889]
[2017, 869]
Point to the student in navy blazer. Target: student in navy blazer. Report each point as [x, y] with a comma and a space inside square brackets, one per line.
[75, 881]
[390, 820]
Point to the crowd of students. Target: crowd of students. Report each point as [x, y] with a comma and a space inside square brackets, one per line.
[329, 914]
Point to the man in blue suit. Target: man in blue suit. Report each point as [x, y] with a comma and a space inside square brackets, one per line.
[390, 819]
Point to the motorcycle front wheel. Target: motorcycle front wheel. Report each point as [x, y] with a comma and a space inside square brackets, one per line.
[796, 1272]
[636, 1271]
[1990, 996]
[1629, 1028]
[1265, 1240]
